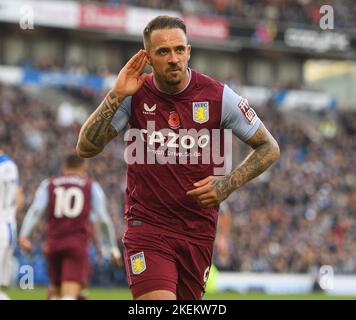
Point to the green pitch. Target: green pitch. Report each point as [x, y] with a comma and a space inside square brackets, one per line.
[124, 294]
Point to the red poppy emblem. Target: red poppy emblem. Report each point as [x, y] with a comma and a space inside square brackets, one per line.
[173, 120]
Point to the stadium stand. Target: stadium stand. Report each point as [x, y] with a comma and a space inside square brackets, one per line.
[300, 212]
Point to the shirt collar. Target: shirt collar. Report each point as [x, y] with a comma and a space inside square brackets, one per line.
[173, 94]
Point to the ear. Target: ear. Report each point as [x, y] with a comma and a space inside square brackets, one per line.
[148, 57]
[189, 49]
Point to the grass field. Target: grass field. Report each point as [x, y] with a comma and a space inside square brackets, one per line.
[124, 294]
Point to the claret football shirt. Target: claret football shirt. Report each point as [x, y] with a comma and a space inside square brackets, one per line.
[173, 144]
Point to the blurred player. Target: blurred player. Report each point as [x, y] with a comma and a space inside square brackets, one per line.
[222, 254]
[223, 237]
[72, 203]
[10, 199]
[172, 208]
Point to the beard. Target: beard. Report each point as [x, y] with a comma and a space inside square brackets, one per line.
[173, 80]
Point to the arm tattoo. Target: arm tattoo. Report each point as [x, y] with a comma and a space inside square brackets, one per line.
[223, 186]
[265, 153]
[111, 104]
[97, 130]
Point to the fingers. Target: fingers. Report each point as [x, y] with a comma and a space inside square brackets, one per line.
[203, 182]
[199, 191]
[204, 194]
[138, 61]
[119, 263]
[25, 244]
[142, 64]
[142, 78]
[116, 256]
[207, 199]
[209, 203]
[26, 248]
[134, 60]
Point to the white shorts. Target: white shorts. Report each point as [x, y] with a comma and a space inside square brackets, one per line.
[6, 262]
[7, 234]
[7, 247]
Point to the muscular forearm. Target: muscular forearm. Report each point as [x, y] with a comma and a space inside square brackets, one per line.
[97, 130]
[254, 164]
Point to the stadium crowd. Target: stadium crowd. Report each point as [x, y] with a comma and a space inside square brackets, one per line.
[296, 216]
[36, 138]
[305, 12]
[299, 215]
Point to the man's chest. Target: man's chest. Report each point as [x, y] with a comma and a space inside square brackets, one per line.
[196, 113]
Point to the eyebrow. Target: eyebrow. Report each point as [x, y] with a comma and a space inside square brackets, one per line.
[167, 48]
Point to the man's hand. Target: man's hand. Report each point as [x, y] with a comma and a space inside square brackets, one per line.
[130, 78]
[210, 191]
[116, 256]
[25, 245]
[99, 254]
[97, 131]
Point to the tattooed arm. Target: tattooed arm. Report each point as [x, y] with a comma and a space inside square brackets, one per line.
[97, 131]
[212, 190]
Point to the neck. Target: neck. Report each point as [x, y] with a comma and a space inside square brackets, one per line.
[173, 89]
[78, 172]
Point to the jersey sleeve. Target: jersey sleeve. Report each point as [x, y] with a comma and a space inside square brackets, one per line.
[36, 210]
[237, 115]
[223, 207]
[13, 172]
[122, 115]
[99, 212]
[16, 174]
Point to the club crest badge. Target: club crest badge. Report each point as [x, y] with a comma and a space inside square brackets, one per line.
[201, 112]
[138, 263]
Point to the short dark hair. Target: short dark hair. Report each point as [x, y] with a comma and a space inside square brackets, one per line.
[73, 161]
[163, 22]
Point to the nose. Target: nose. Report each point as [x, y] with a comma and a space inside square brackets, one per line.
[173, 58]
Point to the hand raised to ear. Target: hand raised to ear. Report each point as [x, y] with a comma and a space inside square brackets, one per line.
[131, 78]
